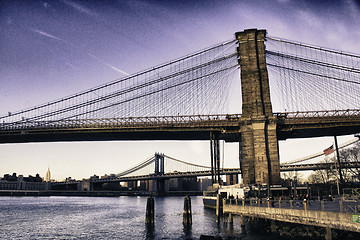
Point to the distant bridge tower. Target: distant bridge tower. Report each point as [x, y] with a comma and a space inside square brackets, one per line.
[159, 183]
[259, 146]
[159, 164]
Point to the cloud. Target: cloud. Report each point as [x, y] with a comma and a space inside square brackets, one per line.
[79, 8]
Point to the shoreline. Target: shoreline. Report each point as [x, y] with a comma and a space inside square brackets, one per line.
[42, 193]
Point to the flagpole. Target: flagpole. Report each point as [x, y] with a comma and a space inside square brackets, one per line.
[338, 161]
[337, 178]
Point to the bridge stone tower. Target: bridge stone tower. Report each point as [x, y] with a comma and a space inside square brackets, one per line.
[259, 146]
[159, 183]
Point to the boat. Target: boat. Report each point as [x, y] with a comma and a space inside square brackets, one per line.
[237, 191]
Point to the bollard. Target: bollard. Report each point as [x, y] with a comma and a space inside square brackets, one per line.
[322, 205]
[268, 203]
[305, 205]
[149, 218]
[187, 215]
[291, 204]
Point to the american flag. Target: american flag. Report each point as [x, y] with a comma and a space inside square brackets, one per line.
[329, 150]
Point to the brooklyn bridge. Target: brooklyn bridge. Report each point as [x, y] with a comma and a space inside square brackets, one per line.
[288, 90]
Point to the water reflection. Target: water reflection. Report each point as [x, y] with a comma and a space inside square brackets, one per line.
[110, 218]
[187, 228]
[149, 232]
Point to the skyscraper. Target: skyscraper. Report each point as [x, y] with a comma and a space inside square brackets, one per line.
[48, 176]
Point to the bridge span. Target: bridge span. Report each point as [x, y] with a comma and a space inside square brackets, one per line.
[317, 91]
[289, 125]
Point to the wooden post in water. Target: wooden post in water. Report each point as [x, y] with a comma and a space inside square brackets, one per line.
[242, 220]
[328, 235]
[187, 215]
[230, 218]
[272, 225]
[341, 206]
[218, 205]
[150, 213]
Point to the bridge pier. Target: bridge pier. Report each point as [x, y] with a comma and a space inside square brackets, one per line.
[259, 146]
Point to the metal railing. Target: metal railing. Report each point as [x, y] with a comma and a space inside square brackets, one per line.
[192, 121]
[338, 205]
[316, 116]
[130, 122]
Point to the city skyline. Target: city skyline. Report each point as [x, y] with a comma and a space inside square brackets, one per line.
[52, 49]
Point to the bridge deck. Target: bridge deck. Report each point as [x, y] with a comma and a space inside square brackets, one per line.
[289, 125]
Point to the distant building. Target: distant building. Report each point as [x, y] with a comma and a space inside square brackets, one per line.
[95, 177]
[232, 179]
[204, 183]
[48, 176]
[13, 182]
[182, 184]
[144, 185]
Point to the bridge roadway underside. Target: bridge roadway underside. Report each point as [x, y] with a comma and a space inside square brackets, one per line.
[188, 134]
[224, 129]
[116, 135]
[284, 132]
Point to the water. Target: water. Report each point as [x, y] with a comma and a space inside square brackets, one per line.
[109, 218]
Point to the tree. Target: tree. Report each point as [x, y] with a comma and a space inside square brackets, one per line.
[324, 176]
[293, 176]
[351, 154]
[347, 156]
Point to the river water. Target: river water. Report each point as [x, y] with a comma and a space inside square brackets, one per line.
[110, 218]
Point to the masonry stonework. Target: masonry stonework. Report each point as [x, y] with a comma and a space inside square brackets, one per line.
[260, 161]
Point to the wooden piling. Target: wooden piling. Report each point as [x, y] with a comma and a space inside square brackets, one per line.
[341, 206]
[273, 226]
[230, 218]
[218, 205]
[242, 220]
[187, 215]
[328, 235]
[150, 213]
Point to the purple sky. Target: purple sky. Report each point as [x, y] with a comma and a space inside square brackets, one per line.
[51, 49]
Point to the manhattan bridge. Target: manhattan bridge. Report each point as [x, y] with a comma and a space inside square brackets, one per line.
[288, 90]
